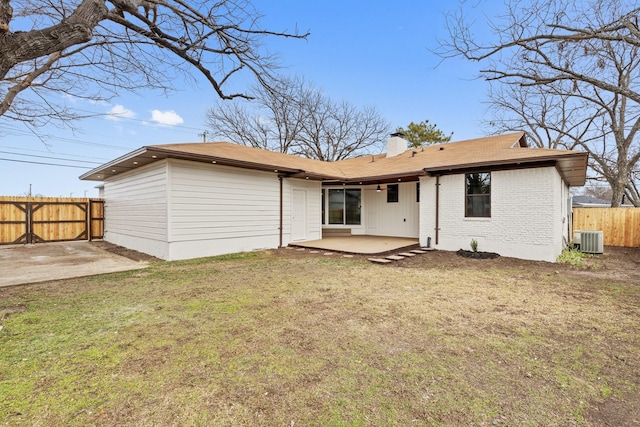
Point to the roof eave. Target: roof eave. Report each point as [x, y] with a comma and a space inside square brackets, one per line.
[377, 179]
[575, 179]
[147, 155]
[110, 165]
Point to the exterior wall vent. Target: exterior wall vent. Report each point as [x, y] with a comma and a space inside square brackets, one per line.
[591, 242]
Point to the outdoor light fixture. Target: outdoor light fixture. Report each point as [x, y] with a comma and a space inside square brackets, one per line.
[378, 189]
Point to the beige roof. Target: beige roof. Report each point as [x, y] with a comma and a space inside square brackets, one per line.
[490, 153]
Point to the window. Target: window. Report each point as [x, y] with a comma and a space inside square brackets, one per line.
[478, 195]
[344, 206]
[417, 192]
[392, 193]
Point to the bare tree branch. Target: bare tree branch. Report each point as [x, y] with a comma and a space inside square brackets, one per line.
[294, 117]
[96, 48]
[565, 72]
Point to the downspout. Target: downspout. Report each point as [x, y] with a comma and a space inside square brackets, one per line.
[281, 205]
[437, 206]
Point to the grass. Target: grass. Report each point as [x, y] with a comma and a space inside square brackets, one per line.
[264, 339]
[572, 256]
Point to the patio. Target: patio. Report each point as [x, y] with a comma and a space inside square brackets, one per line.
[366, 245]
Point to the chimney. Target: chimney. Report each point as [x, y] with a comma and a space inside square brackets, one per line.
[396, 144]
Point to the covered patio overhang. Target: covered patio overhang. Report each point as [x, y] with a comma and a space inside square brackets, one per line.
[372, 180]
[361, 244]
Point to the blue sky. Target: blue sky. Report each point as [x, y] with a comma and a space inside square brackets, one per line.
[368, 53]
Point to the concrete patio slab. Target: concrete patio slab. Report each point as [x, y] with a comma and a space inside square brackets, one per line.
[359, 244]
[24, 264]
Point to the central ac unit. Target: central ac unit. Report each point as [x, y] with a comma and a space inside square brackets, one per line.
[591, 242]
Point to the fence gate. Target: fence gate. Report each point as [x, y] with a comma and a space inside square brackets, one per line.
[29, 220]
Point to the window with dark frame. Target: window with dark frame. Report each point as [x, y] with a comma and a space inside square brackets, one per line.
[478, 195]
[392, 193]
[344, 206]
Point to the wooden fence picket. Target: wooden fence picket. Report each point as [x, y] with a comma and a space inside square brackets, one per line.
[620, 226]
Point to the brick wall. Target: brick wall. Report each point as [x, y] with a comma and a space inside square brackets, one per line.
[527, 211]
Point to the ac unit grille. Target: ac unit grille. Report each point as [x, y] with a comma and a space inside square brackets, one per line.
[591, 242]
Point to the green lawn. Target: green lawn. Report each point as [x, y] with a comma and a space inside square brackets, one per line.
[265, 339]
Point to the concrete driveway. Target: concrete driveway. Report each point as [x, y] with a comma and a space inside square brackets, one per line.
[23, 264]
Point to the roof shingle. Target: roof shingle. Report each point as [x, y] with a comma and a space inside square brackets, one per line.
[502, 150]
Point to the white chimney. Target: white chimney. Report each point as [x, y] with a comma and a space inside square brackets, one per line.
[396, 144]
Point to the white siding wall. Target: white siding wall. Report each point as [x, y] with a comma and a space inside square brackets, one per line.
[528, 214]
[391, 219]
[179, 210]
[216, 210]
[136, 210]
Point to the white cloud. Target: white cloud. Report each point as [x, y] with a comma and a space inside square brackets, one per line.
[166, 118]
[118, 112]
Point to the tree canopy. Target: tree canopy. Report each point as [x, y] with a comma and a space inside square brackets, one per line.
[568, 73]
[297, 118]
[94, 49]
[422, 133]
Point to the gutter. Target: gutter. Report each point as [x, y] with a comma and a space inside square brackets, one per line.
[281, 209]
[437, 207]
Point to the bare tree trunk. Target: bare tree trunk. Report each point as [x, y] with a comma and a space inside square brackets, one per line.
[78, 28]
[6, 13]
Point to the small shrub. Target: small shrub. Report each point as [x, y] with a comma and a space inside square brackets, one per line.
[474, 245]
[572, 256]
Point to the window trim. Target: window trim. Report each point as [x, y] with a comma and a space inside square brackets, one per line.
[395, 192]
[468, 195]
[344, 207]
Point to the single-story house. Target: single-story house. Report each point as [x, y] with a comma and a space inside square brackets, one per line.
[181, 201]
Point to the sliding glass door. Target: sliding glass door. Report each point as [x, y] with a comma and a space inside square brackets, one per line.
[344, 206]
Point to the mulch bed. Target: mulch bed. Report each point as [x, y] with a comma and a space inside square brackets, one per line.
[477, 255]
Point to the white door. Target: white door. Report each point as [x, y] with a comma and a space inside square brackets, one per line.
[299, 215]
[373, 205]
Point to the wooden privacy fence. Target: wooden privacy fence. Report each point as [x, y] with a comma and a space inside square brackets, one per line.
[620, 226]
[46, 219]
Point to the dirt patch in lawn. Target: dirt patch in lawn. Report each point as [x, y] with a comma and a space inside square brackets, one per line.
[122, 251]
[615, 263]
